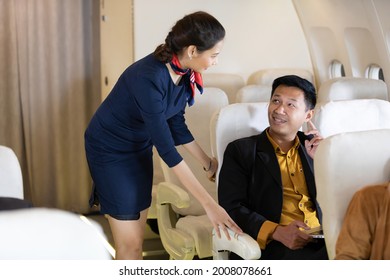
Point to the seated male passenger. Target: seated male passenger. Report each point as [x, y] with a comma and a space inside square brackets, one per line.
[266, 183]
[365, 234]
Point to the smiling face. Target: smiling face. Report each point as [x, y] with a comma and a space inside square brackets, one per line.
[201, 61]
[287, 112]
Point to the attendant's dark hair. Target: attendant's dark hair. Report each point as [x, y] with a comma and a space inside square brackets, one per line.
[303, 84]
[199, 29]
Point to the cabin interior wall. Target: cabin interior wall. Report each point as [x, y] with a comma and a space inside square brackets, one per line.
[116, 41]
[260, 34]
[356, 33]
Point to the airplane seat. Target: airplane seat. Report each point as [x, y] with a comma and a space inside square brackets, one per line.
[230, 83]
[254, 93]
[343, 164]
[43, 234]
[335, 117]
[184, 227]
[11, 180]
[345, 88]
[236, 121]
[230, 123]
[267, 76]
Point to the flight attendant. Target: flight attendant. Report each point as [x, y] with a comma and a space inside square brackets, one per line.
[144, 109]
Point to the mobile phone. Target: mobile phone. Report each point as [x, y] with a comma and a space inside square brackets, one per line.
[310, 136]
[315, 232]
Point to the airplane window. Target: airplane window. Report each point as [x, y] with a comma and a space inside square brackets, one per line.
[373, 71]
[336, 69]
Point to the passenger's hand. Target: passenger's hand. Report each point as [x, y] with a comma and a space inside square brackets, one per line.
[221, 220]
[311, 145]
[291, 236]
[211, 173]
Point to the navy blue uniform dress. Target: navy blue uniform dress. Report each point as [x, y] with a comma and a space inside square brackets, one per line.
[144, 108]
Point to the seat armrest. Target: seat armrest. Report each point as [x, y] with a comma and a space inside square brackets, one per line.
[243, 245]
[177, 243]
[172, 194]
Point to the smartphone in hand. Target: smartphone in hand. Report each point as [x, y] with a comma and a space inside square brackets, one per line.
[315, 232]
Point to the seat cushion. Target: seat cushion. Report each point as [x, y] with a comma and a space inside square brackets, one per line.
[200, 228]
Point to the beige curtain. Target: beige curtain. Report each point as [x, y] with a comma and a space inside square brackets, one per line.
[49, 89]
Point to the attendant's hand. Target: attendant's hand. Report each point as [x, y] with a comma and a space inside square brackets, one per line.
[211, 173]
[291, 236]
[221, 220]
[311, 145]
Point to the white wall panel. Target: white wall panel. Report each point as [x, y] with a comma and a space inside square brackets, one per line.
[116, 41]
[259, 33]
[360, 35]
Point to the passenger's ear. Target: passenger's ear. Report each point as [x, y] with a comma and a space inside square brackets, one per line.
[309, 115]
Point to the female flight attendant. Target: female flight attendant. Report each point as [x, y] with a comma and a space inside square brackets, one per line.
[146, 108]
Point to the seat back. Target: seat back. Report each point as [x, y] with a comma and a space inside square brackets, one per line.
[267, 76]
[343, 164]
[351, 115]
[254, 93]
[11, 180]
[236, 121]
[43, 234]
[346, 88]
[198, 119]
[228, 82]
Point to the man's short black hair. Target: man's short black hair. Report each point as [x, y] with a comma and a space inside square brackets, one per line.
[298, 82]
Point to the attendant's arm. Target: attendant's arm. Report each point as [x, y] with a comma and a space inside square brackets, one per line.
[217, 215]
[210, 165]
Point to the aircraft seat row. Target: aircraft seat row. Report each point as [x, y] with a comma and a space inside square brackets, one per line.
[259, 84]
[184, 228]
[256, 89]
[45, 233]
[42, 233]
[346, 88]
[232, 121]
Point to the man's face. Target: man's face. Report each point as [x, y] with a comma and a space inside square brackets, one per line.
[287, 112]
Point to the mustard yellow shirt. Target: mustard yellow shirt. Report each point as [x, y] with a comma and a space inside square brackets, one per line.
[296, 201]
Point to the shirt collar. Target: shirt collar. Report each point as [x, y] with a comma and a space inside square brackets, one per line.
[276, 146]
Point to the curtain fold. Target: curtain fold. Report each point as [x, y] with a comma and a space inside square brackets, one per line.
[51, 89]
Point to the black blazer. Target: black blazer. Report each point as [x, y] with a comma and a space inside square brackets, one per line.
[250, 184]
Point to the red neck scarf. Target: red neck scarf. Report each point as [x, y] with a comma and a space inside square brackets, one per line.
[193, 77]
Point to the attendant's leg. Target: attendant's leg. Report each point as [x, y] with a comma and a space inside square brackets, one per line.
[128, 236]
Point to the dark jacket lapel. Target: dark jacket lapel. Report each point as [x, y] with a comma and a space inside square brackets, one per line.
[265, 151]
